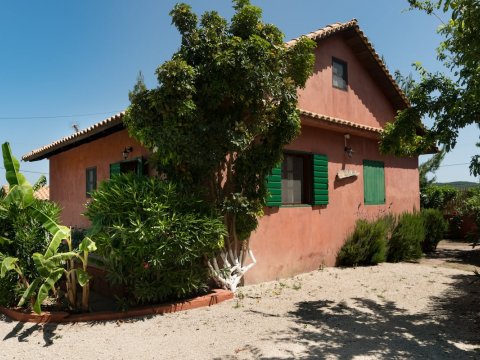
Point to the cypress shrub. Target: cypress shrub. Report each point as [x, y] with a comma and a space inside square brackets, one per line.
[435, 227]
[366, 245]
[407, 238]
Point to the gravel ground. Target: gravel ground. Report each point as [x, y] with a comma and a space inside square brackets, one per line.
[428, 310]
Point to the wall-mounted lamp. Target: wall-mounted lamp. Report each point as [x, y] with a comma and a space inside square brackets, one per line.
[126, 151]
[348, 149]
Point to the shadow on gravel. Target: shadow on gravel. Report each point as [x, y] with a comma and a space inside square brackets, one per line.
[456, 255]
[449, 329]
[22, 331]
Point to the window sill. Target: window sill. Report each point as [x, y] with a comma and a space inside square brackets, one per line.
[295, 205]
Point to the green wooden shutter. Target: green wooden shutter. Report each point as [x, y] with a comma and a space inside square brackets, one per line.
[140, 166]
[373, 182]
[320, 179]
[114, 169]
[274, 186]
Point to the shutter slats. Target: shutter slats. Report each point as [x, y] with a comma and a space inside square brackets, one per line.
[320, 179]
[274, 186]
[374, 182]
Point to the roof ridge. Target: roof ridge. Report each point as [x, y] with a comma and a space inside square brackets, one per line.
[71, 137]
[352, 24]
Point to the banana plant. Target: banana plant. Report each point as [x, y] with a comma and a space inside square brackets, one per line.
[52, 265]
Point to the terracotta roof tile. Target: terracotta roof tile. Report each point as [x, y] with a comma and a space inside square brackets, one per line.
[41, 194]
[353, 24]
[82, 134]
[337, 121]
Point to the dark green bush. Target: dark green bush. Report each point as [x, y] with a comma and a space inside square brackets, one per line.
[441, 197]
[27, 237]
[153, 237]
[366, 245]
[407, 238]
[435, 227]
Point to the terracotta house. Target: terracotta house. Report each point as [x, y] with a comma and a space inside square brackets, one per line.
[332, 174]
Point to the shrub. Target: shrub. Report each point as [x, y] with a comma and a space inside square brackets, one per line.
[27, 236]
[435, 227]
[153, 237]
[366, 245]
[407, 238]
[441, 197]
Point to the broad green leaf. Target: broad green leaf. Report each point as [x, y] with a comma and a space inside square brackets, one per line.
[87, 244]
[83, 277]
[21, 195]
[4, 240]
[51, 225]
[28, 293]
[7, 265]
[45, 288]
[54, 244]
[12, 167]
[44, 266]
[57, 258]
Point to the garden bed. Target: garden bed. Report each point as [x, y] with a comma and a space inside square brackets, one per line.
[214, 297]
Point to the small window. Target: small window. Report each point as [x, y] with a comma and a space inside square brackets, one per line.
[339, 74]
[91, 180]
[374, 182]
[135, 166]
[302, 178]
[297, 179]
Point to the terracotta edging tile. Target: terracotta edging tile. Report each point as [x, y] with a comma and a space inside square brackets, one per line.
[215, 297]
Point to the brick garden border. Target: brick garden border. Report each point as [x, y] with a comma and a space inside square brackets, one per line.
[215, 297]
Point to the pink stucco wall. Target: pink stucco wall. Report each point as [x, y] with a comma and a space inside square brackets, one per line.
[293, 240]
[67, 172]
[364, 102]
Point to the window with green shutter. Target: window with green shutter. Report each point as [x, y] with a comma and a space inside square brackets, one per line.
[373, 182]
[301, 179]
[320, 179]
[131, 166]
[274, 187]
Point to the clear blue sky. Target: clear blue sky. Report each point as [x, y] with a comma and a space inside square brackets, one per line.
[66, 58]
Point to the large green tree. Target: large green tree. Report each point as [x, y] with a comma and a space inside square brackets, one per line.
[452, 101]
[225, 106]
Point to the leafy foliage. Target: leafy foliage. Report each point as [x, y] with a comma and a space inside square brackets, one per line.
[367, 244]
[223, 110]
[30, 227]
[154, 238]
[440, 197]
[452, 102]
[407, 238]
[435, 228]
[430, 166]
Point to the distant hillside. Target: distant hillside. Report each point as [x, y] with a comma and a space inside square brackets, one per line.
[462, 185]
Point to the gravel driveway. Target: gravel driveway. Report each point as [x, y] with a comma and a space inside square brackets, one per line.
[428, 310]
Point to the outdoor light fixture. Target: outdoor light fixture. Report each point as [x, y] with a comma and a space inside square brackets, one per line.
[126, 151]
[348, 149]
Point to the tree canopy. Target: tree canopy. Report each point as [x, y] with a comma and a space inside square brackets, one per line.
[225, 106]
[453, 102]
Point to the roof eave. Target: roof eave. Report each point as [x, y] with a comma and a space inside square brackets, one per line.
[108, 126]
